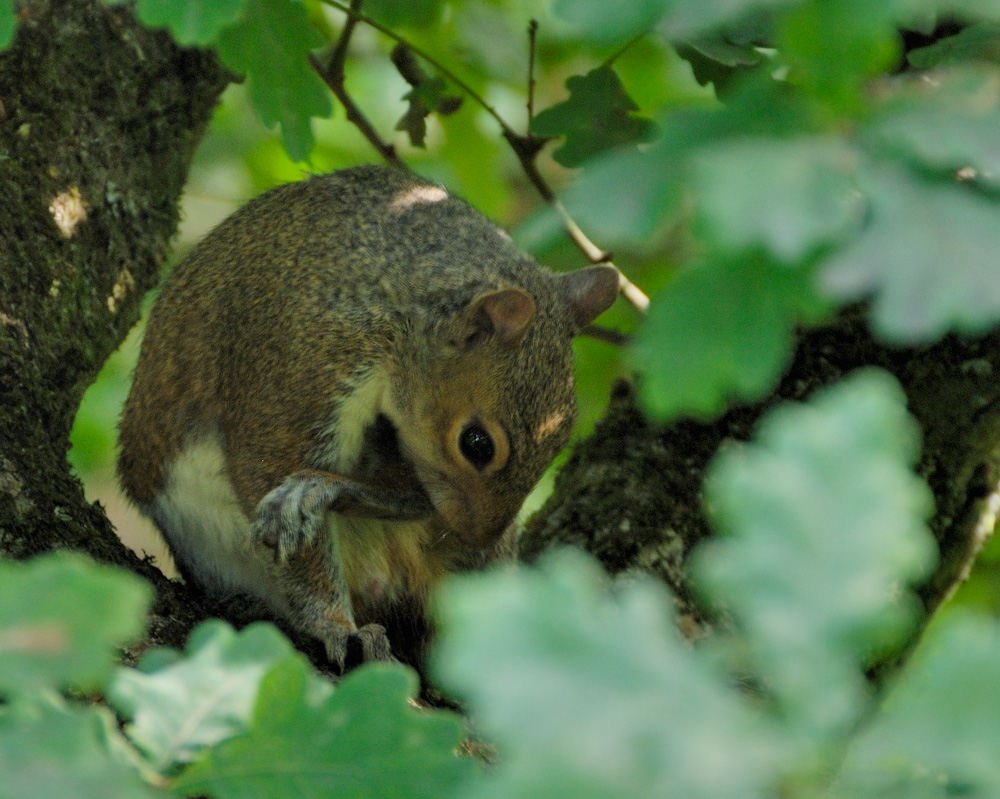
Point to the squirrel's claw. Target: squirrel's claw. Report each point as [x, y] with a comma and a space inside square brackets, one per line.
[348, 649]
[293, 515]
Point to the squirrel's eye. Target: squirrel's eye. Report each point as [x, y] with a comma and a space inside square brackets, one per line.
[477, 446]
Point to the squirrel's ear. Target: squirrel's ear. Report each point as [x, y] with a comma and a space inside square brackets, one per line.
[587, 293]
[504, 313]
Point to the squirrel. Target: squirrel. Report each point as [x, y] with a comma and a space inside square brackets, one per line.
[345, 392]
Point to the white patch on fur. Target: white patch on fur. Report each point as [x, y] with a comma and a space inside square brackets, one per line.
[552, 423]
[204, 524]
[355, 414]
[417, 195]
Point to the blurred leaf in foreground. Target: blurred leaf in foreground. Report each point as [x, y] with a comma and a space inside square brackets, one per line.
[62, 616]
[48, 751]
[928, 257]
[824, 523]
[946, 125]
[721, 330]
[975, 43]
[592, 693]
[790, 196]
[937, 736]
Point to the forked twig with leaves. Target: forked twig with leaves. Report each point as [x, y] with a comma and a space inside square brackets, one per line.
[526, 146]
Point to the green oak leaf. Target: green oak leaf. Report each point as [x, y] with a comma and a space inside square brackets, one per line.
[928, 257]
[590, 692]
[62, 618]
[823, 526]
[363, 740]
[947, 124]
[603, 21]
[720, 330]
[271, 47]
[48, 750]
[627, 197]
[411, 14]
[975, 43]
[789, 196]
[181, 704]
[715, 60]
[191, 22]
[937, 736]
[836, 67]
[598, 116]
[684, 19]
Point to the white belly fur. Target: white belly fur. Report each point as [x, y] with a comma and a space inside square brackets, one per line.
[203, 523]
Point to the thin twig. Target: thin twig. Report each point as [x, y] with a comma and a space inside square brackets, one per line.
[339, 58]
[333, 76]
[532, 35]
[526, 149]
[607, 334]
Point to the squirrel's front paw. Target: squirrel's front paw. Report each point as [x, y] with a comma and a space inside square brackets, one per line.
[293, 515]
[350, 648]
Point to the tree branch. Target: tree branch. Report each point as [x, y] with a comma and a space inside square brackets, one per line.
[102, 118]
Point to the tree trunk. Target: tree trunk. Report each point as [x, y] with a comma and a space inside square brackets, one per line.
[99, 119]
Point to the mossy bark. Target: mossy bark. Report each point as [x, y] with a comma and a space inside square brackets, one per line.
[99, 119]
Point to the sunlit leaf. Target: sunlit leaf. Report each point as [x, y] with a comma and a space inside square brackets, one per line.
[609, 21]
[836, 67]
[8, 23]
[201, 698]
[412, 13]
[271, 47]
[191, 21]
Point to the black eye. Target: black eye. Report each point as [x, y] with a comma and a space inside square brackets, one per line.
[477, 446]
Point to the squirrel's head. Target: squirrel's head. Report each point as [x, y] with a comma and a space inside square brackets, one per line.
[489, 405]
